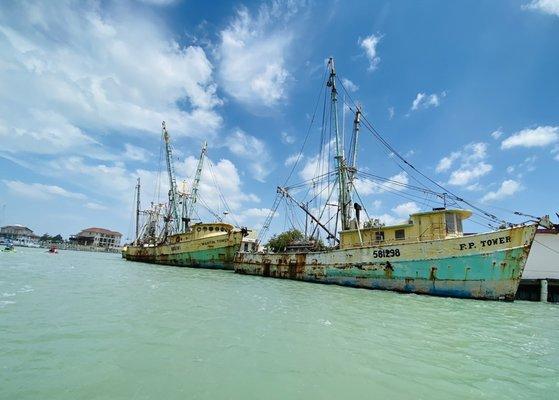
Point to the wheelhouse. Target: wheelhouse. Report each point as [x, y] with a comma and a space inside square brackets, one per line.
[437, 224]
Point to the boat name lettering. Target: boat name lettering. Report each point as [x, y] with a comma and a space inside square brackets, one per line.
[486, 243]
[386, 253]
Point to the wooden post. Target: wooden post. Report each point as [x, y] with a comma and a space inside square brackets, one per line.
[543, 290]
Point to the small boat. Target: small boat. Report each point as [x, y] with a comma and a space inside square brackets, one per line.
[53, 250]
[9, 247]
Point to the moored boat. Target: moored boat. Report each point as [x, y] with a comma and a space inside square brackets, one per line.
[428, 254]
[435, 261]
[177, 241]
[204, 246]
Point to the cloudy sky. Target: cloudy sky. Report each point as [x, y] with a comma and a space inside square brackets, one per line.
[468, 91]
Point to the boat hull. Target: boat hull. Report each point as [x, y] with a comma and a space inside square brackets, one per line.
[484, 266]
[215, 252]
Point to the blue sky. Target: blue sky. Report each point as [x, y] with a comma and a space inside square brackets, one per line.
[468, 91]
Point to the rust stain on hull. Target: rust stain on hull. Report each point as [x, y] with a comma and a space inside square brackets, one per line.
[451, 270]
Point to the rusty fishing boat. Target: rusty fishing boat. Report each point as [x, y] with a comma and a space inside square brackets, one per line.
[168, 236]
[428, 253]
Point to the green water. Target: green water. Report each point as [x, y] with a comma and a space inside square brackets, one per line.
[93, 326]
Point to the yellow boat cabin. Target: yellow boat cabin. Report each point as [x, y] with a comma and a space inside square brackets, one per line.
[202, 231]
[430, 225]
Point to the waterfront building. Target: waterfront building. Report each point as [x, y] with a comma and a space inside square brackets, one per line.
[97, 237]
[17, 232]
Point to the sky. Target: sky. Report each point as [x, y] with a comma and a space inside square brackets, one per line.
[467, 91]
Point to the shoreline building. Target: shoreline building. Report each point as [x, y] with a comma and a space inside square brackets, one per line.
[19, 235]
[97, 237]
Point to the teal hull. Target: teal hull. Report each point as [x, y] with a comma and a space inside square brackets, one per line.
[455, 267]
[483, 276]
[217, 258]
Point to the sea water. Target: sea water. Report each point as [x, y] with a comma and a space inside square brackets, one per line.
[81, 325]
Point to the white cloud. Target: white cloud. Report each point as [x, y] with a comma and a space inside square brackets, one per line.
[292, 159]
[405, 209]
[391, 112]
[135, 153]
[287, 138]
[158, 2]
[465, 175]
[317, 165]
[376, 204]
[257, 212]
[369, 45]
[507, 189]
[472, 165]
[110, 179]
[396, 182]
[424, 101]
[349, 85]
[545, 6]
[365, 186]
[95, 206]
[221, 176]
[388, 219]
[446, 162]
[253, 217]
[252, 149]
[497, 134]
[71, 73]
[114, 181]
[252, 54]
[537, 137]
[401, 211]
[40, 191]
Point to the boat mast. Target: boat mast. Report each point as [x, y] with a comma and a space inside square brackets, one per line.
[344, 199]
[137, 211]
[354, 145]
[173, 211]
[195, 184]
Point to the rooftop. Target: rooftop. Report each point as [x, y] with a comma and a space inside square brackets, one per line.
[101, 230]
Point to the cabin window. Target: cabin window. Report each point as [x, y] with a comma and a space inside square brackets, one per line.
[379, 236]
[222, 229]
[450, 223]
[198, 229]
[246, 247]
[211, 228]
[458, 224]
[205, 228]
[400, 234]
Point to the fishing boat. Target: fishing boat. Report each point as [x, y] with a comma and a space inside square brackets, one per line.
[427, 254]
[168, 235]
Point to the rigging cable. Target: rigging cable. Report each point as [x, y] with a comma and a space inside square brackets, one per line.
[379, 137]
